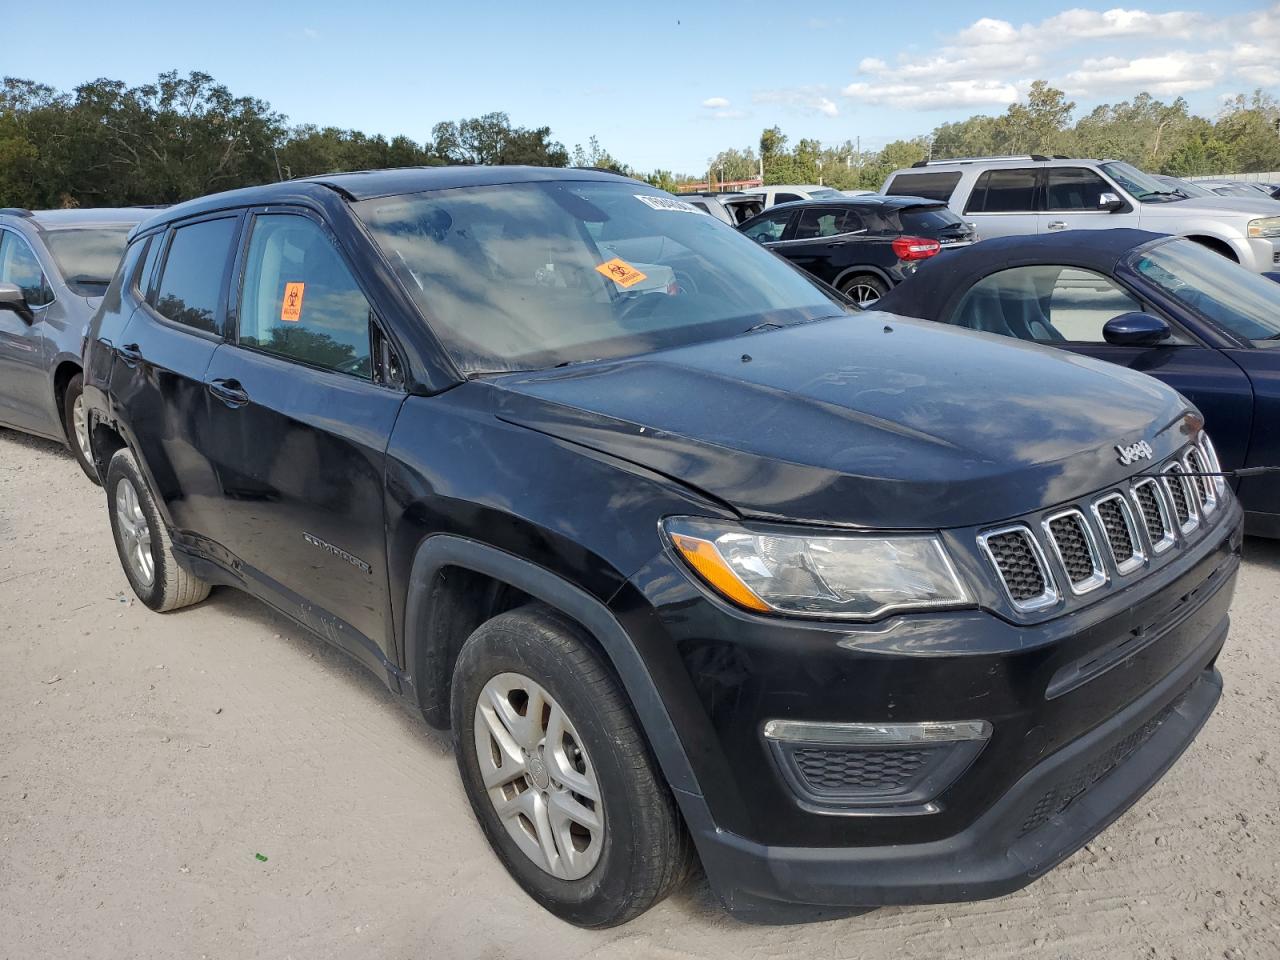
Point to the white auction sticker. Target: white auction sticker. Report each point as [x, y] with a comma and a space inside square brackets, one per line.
[667, 203]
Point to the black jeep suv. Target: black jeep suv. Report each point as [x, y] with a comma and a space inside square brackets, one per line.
[692, 558]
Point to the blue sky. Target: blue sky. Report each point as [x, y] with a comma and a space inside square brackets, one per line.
[661, 85]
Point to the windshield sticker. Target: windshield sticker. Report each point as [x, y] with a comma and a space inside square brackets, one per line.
[291, 308]
[621, 272]
[667, 203]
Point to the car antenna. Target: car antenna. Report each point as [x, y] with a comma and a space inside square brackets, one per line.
[1239, 472]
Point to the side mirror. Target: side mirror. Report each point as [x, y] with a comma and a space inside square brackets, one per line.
[12, 298]
[1110, 202]
[1136, 330]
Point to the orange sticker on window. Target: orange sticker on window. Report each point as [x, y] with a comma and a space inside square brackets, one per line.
[291, 308]
[621, 272]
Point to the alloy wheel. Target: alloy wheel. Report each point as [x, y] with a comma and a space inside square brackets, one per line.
[538, 776]
[135, 533]
[863, 294]
[80, 425]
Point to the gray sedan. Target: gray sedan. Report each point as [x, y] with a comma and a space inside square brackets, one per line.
[55, 266]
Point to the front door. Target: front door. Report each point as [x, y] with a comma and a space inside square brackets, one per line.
[825, 241]
[1073, 198]
[298, 428]
[24, 385]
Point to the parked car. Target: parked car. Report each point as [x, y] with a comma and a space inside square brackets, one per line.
[1239, 188]
[861, 246]
[777, 193]
[848, 603]
[1189, 187]
[1021, 196]
[1159, 304]
[731, 208]
[54, 268]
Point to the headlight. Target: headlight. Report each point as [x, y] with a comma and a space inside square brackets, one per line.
[815, 574]
[1265, 227]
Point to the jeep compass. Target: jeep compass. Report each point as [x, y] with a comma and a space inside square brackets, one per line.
[696, 560]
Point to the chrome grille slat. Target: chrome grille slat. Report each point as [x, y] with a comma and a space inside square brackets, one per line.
[1115, 517]
[1196, 463]
[1072, 541]
[1155, 514]
[1021, 566]
[1185, 509]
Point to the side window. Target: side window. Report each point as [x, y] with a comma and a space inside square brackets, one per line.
[299, 300]
[1046, 303]
[931, 186]
[19, 266]
[1074, 188]
[142, 279]
[769, 228]
[817, 222]
[191, 280]
[1004, 191]
[786, 197]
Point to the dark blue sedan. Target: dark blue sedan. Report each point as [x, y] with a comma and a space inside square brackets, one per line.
[1164, 305]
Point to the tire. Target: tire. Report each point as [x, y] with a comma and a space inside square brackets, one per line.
[140, 534]
[863, 289]
[637, 850]
[75, 424]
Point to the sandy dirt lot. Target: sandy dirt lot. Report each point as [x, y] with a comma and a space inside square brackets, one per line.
[146, 760]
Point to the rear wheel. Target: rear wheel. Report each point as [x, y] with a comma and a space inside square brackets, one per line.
[864, 289]
[559, 774]
[143, 543]
[75, 423]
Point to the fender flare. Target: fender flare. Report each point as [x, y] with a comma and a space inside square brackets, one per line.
[445, 550]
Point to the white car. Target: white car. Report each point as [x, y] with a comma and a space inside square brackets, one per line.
[777, 193]
[1015, 196]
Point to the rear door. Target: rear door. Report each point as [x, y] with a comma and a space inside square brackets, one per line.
[24, 384]
[826, 241]
[1071, 198]
[1005, 202]
[157, 373]
[300, 412]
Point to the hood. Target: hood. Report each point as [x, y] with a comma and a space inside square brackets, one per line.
[1213, 207]
[868, 420]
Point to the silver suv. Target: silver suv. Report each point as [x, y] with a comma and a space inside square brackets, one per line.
[1012, 196]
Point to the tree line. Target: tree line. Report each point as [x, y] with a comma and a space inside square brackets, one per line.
[1158, 136]
[109, 144]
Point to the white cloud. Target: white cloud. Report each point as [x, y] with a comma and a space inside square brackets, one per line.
[1166, 75]
[933, 96]
[1092, 24]
[805, 100]
[715, 103]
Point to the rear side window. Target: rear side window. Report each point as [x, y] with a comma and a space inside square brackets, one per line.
[300, 301]
[826, 222]
[786, 197]
[142, 279]
[1004, 191]
[1074, 188]
[194, 269]
[931, 186]
[927, 221]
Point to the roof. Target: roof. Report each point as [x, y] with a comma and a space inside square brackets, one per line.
[928, 292]
[82, 217]
[869, 200]
[369, 184]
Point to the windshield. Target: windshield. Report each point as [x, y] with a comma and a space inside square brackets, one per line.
[88, 256]
[1186, 186]
[1244, 302]
[1142, 186]
[530, 275]
[928, 221]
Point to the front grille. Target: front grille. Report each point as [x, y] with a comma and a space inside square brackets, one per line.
[827, 771]
[1176, 484]
[1196, 465]
[1061, 795]
[1113, 514]
[1018, 563]
[1075, 549]
[1155, 514]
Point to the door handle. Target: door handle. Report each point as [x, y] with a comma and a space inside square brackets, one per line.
[130, 354]
[1057, 224]
[229, 392]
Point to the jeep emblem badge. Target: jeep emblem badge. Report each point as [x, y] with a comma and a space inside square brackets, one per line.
[1134, 452]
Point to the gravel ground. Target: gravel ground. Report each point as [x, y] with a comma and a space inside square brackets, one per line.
[147, 761]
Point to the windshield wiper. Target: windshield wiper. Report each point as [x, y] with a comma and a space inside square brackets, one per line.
[765, 325]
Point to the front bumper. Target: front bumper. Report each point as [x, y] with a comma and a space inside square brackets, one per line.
[1021, 837]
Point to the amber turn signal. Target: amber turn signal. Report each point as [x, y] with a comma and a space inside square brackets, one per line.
[705, 559]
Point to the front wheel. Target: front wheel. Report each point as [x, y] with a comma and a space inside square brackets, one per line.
[559, 774]
[143, 543]
[864, 289]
